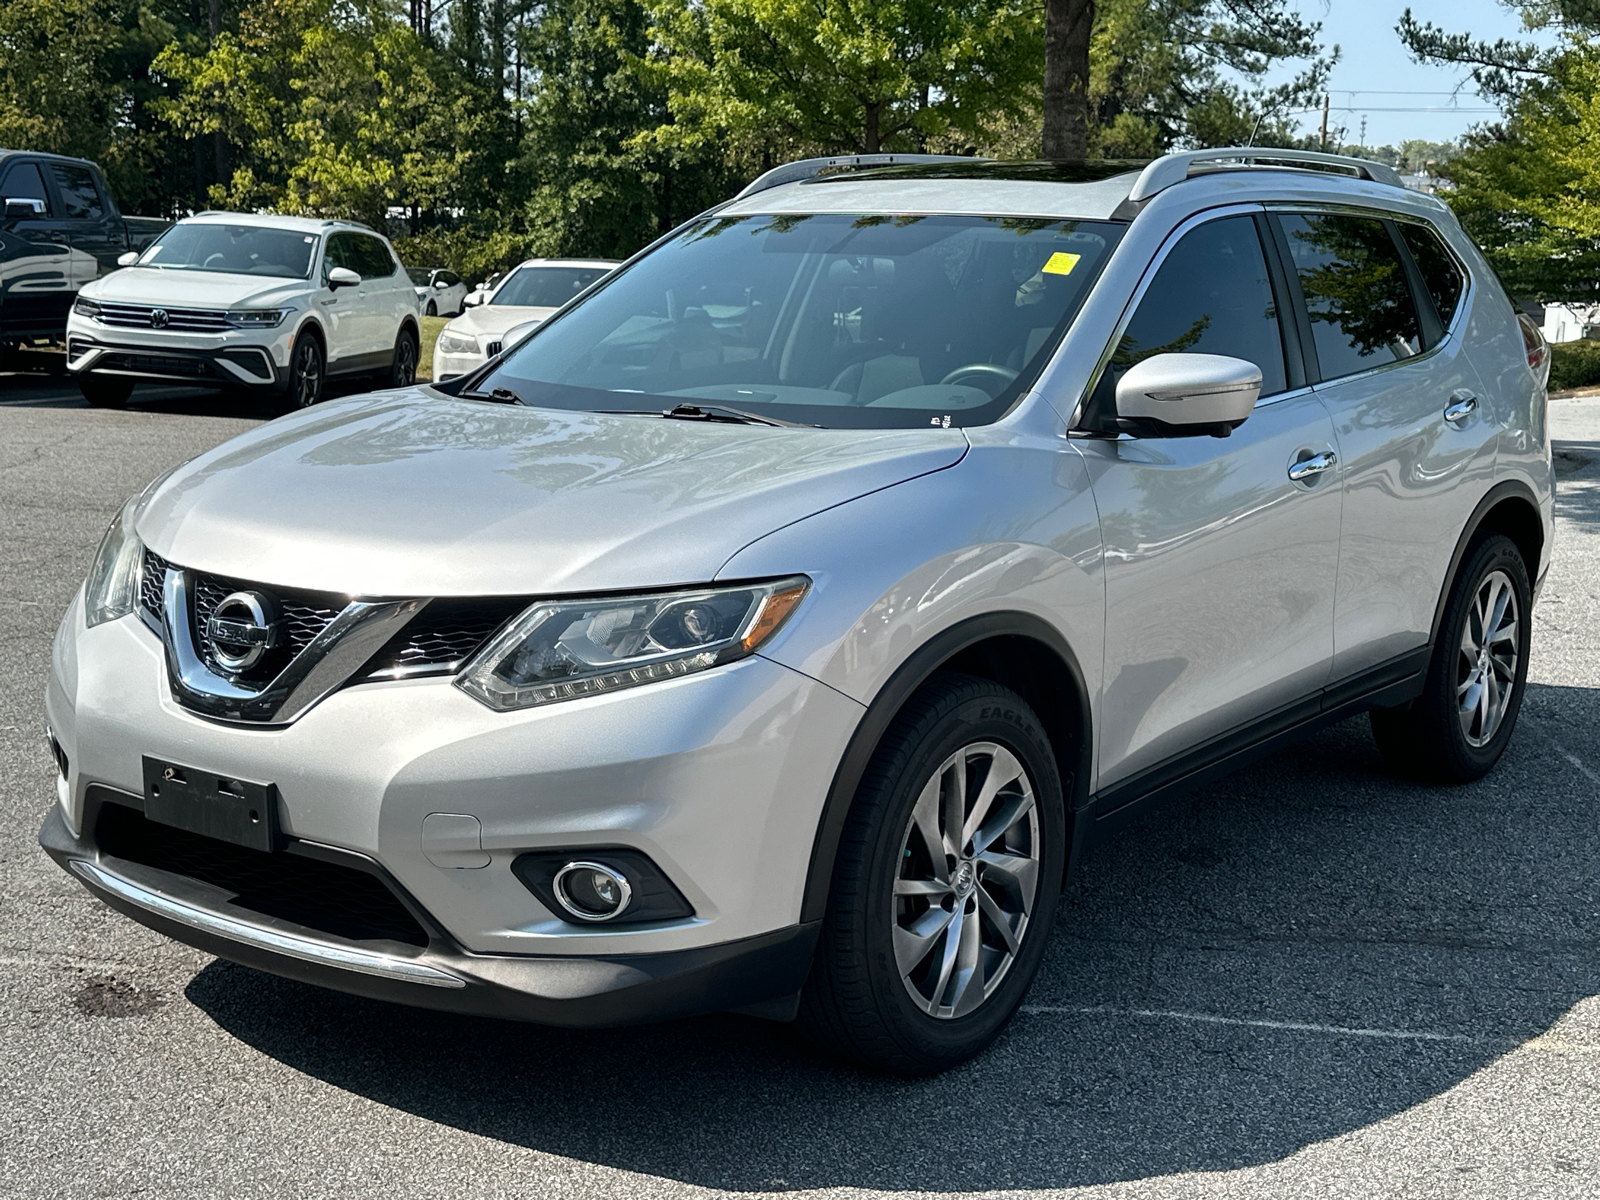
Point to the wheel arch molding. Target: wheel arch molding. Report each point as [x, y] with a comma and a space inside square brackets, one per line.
[314, 327]
[1511, 508]
[1015, 649]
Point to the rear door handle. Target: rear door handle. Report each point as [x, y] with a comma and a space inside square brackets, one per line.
[1309, 468]
[1462, 406]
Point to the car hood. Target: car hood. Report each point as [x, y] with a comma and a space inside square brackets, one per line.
[413, 493]
[191, 289]
[495, 318]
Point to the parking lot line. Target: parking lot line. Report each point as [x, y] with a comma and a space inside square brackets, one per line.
[1254, 1023]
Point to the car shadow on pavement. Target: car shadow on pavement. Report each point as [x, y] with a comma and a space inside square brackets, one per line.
[1295, 952]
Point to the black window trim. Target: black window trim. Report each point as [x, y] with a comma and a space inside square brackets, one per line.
[1288, 208]
[1084, 416]
[1463, 302]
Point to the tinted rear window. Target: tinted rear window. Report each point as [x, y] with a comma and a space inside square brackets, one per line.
[1354, 282]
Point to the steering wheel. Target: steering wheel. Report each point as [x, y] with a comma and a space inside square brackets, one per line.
[980, 370]
[212, 260]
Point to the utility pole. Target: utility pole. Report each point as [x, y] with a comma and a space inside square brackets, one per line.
[1322, 138]
[1363, 131]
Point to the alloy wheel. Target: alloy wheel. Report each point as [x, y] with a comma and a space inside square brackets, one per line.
[405, 363]
[966, 881]
[1486, 668]
[308, 374]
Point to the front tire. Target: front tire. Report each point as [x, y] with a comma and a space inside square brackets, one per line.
[403, 371]
[1459, 727]
[945, 885]
[305, 376]
[105, 391]
[433, 309]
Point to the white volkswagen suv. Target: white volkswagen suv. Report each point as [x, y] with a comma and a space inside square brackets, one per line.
[267, 304]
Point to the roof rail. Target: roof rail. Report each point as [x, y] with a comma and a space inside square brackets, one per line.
[810, 168]
[1175, 168]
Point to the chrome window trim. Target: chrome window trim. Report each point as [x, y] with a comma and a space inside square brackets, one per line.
[346, 958]
[1174, 236]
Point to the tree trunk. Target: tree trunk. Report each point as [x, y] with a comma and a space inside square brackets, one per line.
[219, 139]
[1067, 26]
[873, 141]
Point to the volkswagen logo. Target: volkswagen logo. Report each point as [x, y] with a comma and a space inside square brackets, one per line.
[242, 628]
[158, 318]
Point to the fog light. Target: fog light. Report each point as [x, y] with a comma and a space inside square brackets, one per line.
[591, 891]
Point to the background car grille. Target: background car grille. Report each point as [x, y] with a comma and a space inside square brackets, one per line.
[179, 320]
[319, 896]
[438, 641]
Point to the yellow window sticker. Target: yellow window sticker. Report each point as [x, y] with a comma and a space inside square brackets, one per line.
[1061, 263]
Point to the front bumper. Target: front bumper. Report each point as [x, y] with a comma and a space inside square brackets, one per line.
[718, 778]
[760, 974]
[448, 366]
[249, 366]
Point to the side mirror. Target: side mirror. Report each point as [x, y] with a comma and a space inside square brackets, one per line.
[25, 209]
[341, 277]
[1182, 395]
[441, 284]
[128, 259]
[473, 300]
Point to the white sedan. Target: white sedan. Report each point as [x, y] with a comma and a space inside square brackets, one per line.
[439, 292]
[525, 297]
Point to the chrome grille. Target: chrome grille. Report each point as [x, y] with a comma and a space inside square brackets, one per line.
[305, 614]
[179, 320]
[441, 638]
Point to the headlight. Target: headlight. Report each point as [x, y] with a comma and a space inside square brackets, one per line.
[86, 308]
[563, 649]
[255, 318]
[112, 589]
[455, 343]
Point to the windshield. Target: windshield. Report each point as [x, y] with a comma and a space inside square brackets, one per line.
[835, 320]
[419, 275]
[545, 287]
[234, 249]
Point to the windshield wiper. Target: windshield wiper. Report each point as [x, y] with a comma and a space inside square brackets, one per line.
[500, 395]
[721, 412]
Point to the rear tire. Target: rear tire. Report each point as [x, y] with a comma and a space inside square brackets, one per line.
[105, 391]
[914, 972]
[306, 372]
[1459, 727]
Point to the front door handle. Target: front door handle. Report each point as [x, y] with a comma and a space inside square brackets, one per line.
[1310, 468]
[1463, 405]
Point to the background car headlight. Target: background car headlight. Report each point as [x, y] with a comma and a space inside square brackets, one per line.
[563, 649]
[455, 343]
[255, 318]
[112, 588]
[86, 308]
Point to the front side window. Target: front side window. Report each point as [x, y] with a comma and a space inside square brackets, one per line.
[859, 321]
[1440, 273]
[233, 249]
[79, 195]
[375, 259]
[1211, 295]
[1354, 283]
[545, 287]
[23, 182]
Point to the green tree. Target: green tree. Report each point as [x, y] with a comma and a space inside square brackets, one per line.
[770, 80]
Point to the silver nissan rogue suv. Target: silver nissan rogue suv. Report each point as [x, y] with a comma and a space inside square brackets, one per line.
[779, 625]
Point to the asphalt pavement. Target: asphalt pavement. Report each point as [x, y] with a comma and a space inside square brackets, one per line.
[1310, 979]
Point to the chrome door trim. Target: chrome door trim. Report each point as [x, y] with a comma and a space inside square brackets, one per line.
[345, 958]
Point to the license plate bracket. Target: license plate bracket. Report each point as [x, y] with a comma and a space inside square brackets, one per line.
[217, 806]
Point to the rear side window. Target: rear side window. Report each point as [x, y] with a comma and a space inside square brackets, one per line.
[1440, 273]
[1354, 282]
[78, 193]
[23, 182]
[1211, 295]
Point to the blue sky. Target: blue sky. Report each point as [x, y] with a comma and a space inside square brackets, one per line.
[1376, 75]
